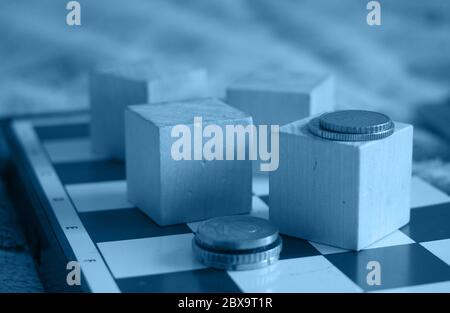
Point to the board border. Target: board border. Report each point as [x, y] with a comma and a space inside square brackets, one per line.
[58, 207]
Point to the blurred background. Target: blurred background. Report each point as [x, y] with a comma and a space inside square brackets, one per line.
[401, 68]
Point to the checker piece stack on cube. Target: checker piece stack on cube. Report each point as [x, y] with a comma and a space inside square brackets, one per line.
[344, 178]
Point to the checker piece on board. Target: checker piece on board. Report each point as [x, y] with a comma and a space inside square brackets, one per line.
[237, 243]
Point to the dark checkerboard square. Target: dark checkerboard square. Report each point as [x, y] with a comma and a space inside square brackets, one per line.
[401, 266]
[265, 199]
[204, 280]
[62, 131]
[124, 224]
[90, 171]
[296, 248]
[429, 223]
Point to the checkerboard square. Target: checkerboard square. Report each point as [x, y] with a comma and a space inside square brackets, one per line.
[424, 194]
[52, 132]
[260, 185]
[265, 199]
[125, 224]
[440, 248]
[310, 274]
[149, 256]
[193, 226]
[71, 150]
[204, 280]
[259, 208]
[394, 239]
[326, 249]
[401, 266]
[429, 223]
[426, 288]
[90, 172]
[296, 248]
[90, 197]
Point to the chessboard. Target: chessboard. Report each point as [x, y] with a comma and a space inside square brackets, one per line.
[75, 207]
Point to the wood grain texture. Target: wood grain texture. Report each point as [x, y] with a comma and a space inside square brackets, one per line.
[171, 191]
[276, 96]
[344, 194]
[112, 89]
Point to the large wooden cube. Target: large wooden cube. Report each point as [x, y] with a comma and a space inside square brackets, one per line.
[113, 89]
[344, 194]
[278, 97]
[175, 190]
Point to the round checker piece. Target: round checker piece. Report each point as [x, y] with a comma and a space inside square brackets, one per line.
[238, 259]
[236, 233]
[314, 127]
[355, 122]
[237, 243]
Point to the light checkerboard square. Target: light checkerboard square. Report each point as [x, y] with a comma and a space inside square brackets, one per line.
[423, 194]
[89, 197]
[150, 256]
[309, 274]
[394, 239]
[260, 185]
[440, 248]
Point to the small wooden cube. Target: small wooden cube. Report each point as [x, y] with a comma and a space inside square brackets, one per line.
[278, 97]
[171, 190]
[344, 194]
[113, 89]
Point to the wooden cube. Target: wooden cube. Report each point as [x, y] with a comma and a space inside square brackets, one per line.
[344, 194]
[172, 190]
[278, 97]
[113, 89]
